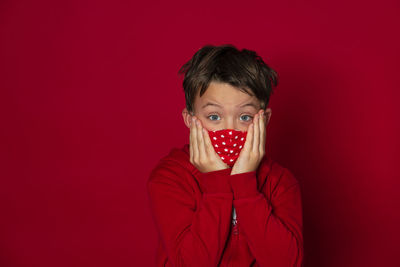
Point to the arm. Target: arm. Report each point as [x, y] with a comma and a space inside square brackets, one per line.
[192, 235]
[272, 227]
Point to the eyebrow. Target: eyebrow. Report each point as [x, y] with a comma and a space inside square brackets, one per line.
[251, 104]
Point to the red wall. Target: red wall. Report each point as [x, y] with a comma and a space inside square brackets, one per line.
[90, 100]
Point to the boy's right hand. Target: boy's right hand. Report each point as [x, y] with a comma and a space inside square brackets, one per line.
[202, 153]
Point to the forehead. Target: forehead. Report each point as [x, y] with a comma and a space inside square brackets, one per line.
[225, 95]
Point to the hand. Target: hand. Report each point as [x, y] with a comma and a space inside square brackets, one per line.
[254, 148]
[202, 153]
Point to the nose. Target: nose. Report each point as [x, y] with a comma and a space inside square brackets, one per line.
[230, 123]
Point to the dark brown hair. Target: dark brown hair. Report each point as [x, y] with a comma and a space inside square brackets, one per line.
[243, 69]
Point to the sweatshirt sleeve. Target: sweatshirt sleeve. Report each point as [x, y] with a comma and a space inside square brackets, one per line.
[192, 235]
[272, 227]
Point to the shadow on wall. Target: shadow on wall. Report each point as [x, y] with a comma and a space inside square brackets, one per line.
[305, 138]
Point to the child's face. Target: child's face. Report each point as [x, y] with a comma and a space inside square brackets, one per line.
[223, 106]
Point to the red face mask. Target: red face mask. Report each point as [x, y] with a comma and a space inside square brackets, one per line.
[228, 143]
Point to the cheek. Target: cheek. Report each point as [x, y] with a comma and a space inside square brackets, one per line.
[244, 128]
[205, 124]
[208, 127]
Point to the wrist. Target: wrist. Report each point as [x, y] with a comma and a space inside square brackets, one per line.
[234, 171]
[244, 184]
[216, 181]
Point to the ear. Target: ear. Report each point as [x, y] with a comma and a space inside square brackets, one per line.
[268, 113]
[187, 117]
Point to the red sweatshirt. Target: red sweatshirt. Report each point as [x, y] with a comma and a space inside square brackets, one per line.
[193, 214]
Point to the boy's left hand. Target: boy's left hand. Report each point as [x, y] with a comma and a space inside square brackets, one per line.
[254, 148]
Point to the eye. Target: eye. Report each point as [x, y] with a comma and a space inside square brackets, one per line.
[248, 116]
[212, 116]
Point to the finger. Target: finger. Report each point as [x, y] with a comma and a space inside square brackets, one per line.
[195, 145]
[190, 145]
[249, 138]
[200, 141]
[207, 142]
[191, 140]
[262, 134]
[256, 140]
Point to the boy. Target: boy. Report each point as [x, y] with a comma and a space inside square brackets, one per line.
[220, 201]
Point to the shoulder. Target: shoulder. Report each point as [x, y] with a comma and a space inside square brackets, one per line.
[174, 169]
[283, 173]
[278, 177]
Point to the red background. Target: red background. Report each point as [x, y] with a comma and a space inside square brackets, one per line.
[91, 100]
